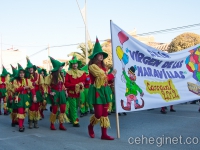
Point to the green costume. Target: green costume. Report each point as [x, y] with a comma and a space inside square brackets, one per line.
[58, 100]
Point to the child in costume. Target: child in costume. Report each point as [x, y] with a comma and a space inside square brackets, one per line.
[4, 82]
[38, 83]
[22, 88]
[10, 98]
[84, 94]
[43, 103]
[131, 90]
[100, 93]
[74, 82]
[55, 83]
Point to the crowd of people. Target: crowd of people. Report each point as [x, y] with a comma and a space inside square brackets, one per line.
[28, 91]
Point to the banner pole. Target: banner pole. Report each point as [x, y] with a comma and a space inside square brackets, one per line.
[117, 116]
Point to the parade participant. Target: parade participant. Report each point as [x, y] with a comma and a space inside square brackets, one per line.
[100, 95]
[163, 109]
[111, 107]
[74, 82]
[4, 82]
[38, 83]
[56, 88]
[43, 104]
[10, 96]
[23, 88]
[84, 105]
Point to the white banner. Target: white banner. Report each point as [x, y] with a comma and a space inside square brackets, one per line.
[149, 78]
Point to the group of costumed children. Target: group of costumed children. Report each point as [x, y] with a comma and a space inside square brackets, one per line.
[28, 91]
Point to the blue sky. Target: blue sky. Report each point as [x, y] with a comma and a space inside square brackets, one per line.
[32, 25]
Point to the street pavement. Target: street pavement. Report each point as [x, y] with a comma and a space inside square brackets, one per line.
[143, 124]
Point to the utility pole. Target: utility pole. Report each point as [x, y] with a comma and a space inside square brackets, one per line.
[1, 54]
[86, 40]
[48, 60]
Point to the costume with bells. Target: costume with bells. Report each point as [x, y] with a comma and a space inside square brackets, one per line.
[10, 98]
[23, 96]
[59, 97]
[4, 83]
[100, 94]
[74, 82]
[38, 83]
[84, 105]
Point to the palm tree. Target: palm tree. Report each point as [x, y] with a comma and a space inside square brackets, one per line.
[82, 56]
[106, 46]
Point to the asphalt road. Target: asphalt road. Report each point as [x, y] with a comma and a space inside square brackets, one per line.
[150, 129]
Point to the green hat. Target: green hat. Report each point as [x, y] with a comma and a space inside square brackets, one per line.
[20, 68]
[56, 64]
[110, 71]
[30, 65]
[85, 69]
[14, 70]
[98, 50]
[74, 60]
[40, 71]
[4, 72]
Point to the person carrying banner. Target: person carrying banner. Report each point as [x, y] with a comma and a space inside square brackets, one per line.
[84, 94]
[100, 95]
[163, 109]
[38, 83]
[56, 88]
[23, 88]
[4, 82]
[74, 82]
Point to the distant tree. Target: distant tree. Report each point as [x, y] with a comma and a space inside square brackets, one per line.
[183, 41]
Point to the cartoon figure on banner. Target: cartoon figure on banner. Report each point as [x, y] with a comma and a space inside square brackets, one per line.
[132, 88]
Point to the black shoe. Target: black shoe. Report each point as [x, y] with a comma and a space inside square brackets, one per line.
[0, 113]
[124, 113]
[199, 109]
[119, 114]
[85, 114]
[76, 125]
[193, 102]
[165, 108]
[46, 109]
[172, 110]
[163, 112]
[82, 115]
[149, 109]
[12, 124]
[91, 111]
[21, 129]
[109, 113]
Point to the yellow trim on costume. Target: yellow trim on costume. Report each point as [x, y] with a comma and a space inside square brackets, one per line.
[94, 120]
[63, 118]
[75, 73]
[99, 74]
[104, 122]
[53, 118]
[21, 116]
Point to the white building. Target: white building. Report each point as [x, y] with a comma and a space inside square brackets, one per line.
[12, 57]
